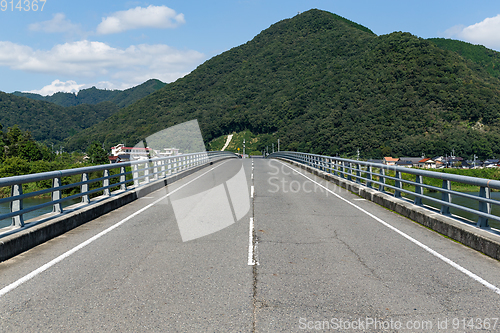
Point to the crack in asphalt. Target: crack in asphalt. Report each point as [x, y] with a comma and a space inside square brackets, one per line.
[254, 259]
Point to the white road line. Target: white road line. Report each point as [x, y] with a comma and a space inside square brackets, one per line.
[250, 244]
[413, 240]
[63, 256]
[252, 190]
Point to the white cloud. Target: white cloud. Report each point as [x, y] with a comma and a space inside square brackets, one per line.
[486, 33]
[151, 17]
[58, 86]
[117, 68]
[58, 24]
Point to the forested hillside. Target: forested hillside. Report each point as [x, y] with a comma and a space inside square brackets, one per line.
[323, 84]
[52, 119]
[50, 123]
[484, 57]
[95, 96]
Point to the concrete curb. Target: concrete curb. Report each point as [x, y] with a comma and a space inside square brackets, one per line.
[30, 237]
[473, 237]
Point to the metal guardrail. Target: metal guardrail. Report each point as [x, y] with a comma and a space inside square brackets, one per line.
[131, 175]
[362, 173]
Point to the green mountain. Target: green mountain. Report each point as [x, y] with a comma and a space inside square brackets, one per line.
[50, 123]
[324, 84]
[54, 118]
[94, 96]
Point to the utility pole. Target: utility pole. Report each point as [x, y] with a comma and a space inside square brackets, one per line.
[358, 154]
[243, 148]
[273, 147]
[475, 160]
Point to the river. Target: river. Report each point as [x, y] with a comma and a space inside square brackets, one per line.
[30, 202]
[495, 210]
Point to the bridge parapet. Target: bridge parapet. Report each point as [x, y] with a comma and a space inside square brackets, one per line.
[383, 177]
[112, 179]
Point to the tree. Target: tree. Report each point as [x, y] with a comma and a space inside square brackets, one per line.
[30, 151]
[96, 154]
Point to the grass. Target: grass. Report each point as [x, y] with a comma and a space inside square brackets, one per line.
[253, 143]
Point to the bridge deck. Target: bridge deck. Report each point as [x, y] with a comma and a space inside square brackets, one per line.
[323, 255]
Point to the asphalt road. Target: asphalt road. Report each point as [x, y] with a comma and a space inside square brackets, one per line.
[185, 259]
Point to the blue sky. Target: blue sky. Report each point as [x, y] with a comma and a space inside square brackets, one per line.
[73, 45]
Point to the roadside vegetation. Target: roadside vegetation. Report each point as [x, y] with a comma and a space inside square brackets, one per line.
[22, 155]
[255, 143]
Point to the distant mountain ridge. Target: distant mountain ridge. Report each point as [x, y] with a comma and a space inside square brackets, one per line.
[94, 96]
[51, 123]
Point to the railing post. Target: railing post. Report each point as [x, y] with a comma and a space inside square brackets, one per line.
[85, 188]
[135, 174]
[335, 168]
[162, 169]
[56, 195]
[485, 207]
[155, 170]
[418, 190]
[446, 197]
[123, 178]
[349, 173]
[146, 172]
[370, 178]
[105, 183]
[381, 180]
[397, 194]
[17, 205]
[358, 173]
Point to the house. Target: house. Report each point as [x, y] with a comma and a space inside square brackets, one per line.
[131, 153]
[429, 163]
[491, 163]
[135, 153]
[167, 152]
[413, 160]
[390, 160]
[424, 163]
[466, 164]
[376, 161]
[406, 164]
